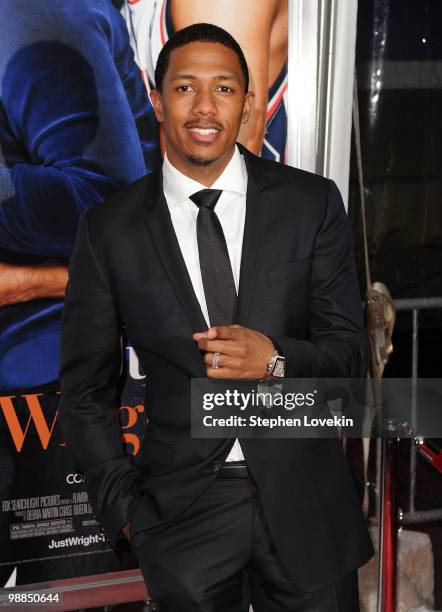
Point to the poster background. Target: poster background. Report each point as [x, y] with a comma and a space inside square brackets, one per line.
[47, 528]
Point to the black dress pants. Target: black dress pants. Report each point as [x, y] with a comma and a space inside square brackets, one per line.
[218, 556]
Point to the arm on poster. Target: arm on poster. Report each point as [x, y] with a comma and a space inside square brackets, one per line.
[89, 373]
[20, 283]
[250, 24]
[69, 114]
[137, 97]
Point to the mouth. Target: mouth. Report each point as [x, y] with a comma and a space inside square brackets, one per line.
[206, 134]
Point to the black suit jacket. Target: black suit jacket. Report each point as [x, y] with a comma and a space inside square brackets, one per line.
[297, 285]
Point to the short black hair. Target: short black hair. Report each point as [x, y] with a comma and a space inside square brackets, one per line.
[198, 32]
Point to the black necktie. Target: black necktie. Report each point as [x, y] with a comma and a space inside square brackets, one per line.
[216, 271]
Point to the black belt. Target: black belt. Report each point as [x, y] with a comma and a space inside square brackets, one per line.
[233, 469]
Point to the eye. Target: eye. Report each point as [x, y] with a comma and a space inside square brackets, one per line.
[224, 89]
[185, 88]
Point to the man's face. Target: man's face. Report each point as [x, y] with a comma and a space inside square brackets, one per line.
[202, 105]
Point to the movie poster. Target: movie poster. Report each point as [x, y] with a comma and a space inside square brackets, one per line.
[76, 126]
[47, 524]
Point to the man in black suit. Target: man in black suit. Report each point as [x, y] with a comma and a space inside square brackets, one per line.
[263, 287]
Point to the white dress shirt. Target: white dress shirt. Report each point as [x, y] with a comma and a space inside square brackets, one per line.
[231, 212]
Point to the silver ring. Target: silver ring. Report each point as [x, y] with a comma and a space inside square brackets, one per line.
[215, 360]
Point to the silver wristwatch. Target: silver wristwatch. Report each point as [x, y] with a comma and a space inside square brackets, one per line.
[276, 366]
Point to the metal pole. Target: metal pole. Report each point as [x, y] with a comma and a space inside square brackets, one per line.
[414, 374]
[378, 485]
[388, 527]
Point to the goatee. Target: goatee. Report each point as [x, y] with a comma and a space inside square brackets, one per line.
[199, 161]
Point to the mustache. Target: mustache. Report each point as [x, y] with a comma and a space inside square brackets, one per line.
[213, 125]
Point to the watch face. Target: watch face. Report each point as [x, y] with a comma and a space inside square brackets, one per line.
[279, 367]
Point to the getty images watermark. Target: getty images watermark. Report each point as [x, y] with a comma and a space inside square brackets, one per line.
[260, 398]
[312, 408]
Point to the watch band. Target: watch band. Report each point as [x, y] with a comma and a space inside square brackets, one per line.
[271, 362]
[276, 365]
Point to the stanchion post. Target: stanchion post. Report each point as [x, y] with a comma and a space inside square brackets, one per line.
[388, 525]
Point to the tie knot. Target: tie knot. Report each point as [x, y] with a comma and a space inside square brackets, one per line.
[206, 198]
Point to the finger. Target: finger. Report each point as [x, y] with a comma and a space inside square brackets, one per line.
[224, 361]
[199, 336]
[209, 357]
[227, 373]
[210, 333]
[226, 347]
[227, 332]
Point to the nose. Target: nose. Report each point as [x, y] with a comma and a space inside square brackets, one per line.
[205, 103]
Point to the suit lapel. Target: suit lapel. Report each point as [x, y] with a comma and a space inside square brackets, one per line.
[160, 227]
[257, 209]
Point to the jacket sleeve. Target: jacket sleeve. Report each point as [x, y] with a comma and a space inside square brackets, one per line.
[90, 367]
[336, 346]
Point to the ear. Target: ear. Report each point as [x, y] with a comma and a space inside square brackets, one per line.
[157, 103]
[248, 102]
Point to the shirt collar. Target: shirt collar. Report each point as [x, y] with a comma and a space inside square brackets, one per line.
[178, 187]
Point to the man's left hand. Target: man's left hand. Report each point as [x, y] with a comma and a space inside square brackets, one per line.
[243, 353]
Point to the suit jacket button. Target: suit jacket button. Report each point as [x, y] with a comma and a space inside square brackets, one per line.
[215, 466]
